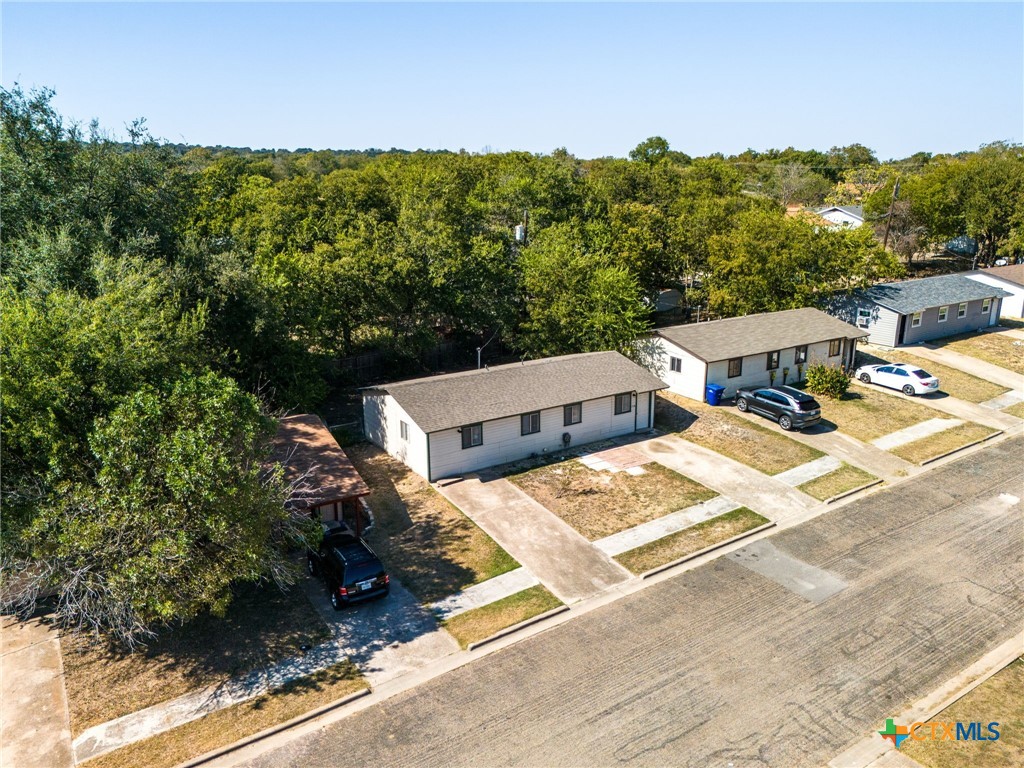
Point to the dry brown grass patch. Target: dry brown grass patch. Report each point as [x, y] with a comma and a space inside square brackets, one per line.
[716, 428]
[948, 440]
[480, 623]
[990, 347]
[1015, 410]
[261, 626]
[690, 540]
[598, 504]
[997, 699]
[846, 478]
[952, 381]
[226, 726]
[867, 413]
[425, 541]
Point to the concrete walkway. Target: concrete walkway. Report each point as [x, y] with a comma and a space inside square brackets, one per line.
[1005, 400]
[968, 364]
[923, 429]
[809, 471]
[881, 464]
[564, 561]
[484, 593]
[34, 729]
[645, 533]
[960, 409]
[750, 488]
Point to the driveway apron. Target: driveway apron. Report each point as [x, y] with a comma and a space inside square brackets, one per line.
[564, 561]
[34, 728]
[754, 490]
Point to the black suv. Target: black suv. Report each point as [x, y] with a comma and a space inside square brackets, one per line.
[790, 407]
[349, 568]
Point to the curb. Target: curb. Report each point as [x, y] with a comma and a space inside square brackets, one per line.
[858, 489]
[712, 548]
[516, 627]
[997, 433]
[274, 730]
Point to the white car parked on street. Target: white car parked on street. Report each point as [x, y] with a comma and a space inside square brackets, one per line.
[909, 379]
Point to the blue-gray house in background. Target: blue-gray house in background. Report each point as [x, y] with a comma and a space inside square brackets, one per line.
[911, 311]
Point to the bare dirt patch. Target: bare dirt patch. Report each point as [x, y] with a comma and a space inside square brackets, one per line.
[423, 540]
[720, 430]
[690, 540]
[480, 623]
[261, 626]
[600, 503]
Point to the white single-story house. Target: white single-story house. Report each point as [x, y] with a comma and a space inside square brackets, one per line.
[843, 215]
[448, 425]
[754, 350]
[911, 311]
[1011, 280]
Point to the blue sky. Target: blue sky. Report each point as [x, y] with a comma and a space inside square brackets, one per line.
[595, 78]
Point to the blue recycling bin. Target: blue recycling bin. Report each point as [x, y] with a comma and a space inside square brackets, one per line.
[713, 393]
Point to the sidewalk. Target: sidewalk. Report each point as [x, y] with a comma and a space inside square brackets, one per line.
[564, 561]
[969, 364]
[752, 489]
[34, 727]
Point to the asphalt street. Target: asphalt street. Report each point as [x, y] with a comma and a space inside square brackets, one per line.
[739, 663]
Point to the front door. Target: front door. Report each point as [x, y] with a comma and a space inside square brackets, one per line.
[902, 330]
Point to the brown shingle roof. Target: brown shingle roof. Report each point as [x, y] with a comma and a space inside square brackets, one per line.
[455, 399]
[1014, 273]
[304, 444]
[754, 334]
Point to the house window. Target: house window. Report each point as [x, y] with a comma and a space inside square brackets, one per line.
[675, 364]
[472, 435]
[530, 423]
[863, 318]
[986, 305]
[573, 413]
[735, 367]
[623, 403]
[403, 430]
[961, 310]
[801, 355]
[943, 315]
[915, 319]
[835, 347]
[773, 360]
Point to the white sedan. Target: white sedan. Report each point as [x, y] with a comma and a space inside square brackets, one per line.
[909, 379]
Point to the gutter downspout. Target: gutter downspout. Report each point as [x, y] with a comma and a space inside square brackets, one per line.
[636, 408]
[430, 477]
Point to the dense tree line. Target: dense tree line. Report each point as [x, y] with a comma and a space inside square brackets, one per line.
[159, 302]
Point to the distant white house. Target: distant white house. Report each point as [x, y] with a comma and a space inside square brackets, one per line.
[843, 215]
[448, 425]
[1011, 280]
[754, 350]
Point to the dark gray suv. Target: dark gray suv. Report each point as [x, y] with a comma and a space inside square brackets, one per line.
[790, 407]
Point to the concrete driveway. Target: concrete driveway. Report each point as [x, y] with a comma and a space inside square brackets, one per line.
[34, 727]
[564, 561]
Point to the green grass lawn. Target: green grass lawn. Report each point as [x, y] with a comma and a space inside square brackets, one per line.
[690, 540]
[480, 623]
[846, 478]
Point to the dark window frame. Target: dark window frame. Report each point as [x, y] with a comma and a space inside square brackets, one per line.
[526, 423]
[468, 431]
[567, 420]
[800, 355]
[835, 347]
[675, 364]
[736, 362]
[773, 360]
[628, 400]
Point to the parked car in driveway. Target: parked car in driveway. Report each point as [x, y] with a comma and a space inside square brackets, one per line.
[350, 570]
[909, 379]
[790, 407]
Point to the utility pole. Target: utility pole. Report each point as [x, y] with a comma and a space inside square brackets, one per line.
[892, 205]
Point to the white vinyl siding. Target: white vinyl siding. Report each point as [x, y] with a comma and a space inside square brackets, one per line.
[755, 375]
[688, 381]
[504, 442]
[1012, 306]
[382, 419]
